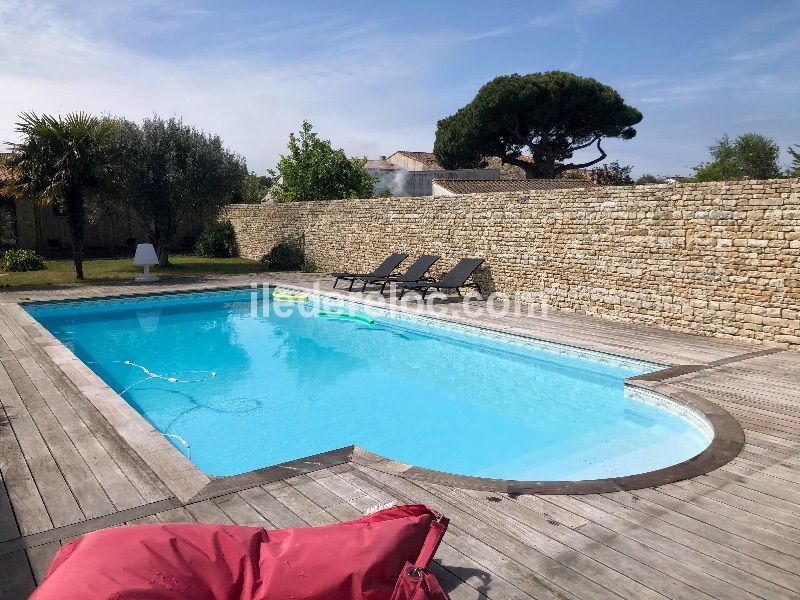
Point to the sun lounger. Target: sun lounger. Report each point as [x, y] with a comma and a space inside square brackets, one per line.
[383, 270]
[416, 272]
[454, 280]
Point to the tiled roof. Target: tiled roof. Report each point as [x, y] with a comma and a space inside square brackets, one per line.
[380, 164]
[474, 186]
[426, 158]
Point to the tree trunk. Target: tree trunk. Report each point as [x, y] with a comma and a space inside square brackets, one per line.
[543, 167]
[162, 252]
[161, 242]
[76, 218]
[167, 230]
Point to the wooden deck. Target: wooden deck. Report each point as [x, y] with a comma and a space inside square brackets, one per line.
[733, 533]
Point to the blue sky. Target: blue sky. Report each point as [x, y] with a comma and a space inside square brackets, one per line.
[374, 77]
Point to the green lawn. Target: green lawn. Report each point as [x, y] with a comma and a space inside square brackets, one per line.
[61, 272]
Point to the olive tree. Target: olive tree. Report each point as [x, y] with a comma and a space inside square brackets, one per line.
[544, 116]
[173, 171]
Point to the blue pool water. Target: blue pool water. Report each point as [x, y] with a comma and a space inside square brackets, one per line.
[252, 391]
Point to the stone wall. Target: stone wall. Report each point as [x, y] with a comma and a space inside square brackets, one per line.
[720, 259]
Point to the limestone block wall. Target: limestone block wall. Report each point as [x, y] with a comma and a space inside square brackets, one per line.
[720, 259]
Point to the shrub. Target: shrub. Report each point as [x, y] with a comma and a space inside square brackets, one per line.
[217, 241]
[309, 267]
[648, 178]
[286, 256]
[18, 259]
[612, 174]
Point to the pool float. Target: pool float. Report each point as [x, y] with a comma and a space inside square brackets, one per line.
[346, 315]
[289, 297]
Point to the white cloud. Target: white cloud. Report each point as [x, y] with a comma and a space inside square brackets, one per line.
[771, 51]
[57, 64]
[592, 7]
[538, 22]
[368, 85]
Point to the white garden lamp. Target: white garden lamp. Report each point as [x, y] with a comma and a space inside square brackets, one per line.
[145, 257]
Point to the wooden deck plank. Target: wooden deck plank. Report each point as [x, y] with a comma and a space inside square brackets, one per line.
[499, 586]
[772, 469]
[176, 515]
[17, 579]
[757, 520]
[298, 503]
[119, 489]
[745, 531]
[760, 480]
[772, 496]
[343, 489]
[240, 512]
[731, 494]
[773, 564]
[314, 491]
[208, 512]
[24, 511]
[271, 508]
[148, 520]
[551, 566]
[62, 507]
[90, 495]
[146, 483]
[456, 588]
[732, 533]
[483, 572]
[639, 566]
[8, 522]
[40, 557]
[611, 521]
[548, 510]
[379, 495]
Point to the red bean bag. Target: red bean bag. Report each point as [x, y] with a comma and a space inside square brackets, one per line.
[356, 560]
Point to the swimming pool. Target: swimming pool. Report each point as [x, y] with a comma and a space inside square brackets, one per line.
[245, 391]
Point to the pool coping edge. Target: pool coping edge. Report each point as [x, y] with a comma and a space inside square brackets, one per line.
[189, 483]
[726, 444]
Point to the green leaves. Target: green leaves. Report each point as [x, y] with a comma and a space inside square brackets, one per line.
[313, 170]
[217, 241]
[547, 116]
[256, 187]
[750, 155]
[55, 152]
[67, 160]
[173, 171]
[794, 169]
[18, 259]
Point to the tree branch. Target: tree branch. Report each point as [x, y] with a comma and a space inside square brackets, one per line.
[518, 137]
[570, 166]
[587, 144]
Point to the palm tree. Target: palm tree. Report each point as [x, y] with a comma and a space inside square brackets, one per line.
[64, 160]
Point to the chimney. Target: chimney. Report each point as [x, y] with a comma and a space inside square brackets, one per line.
[382, 157]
